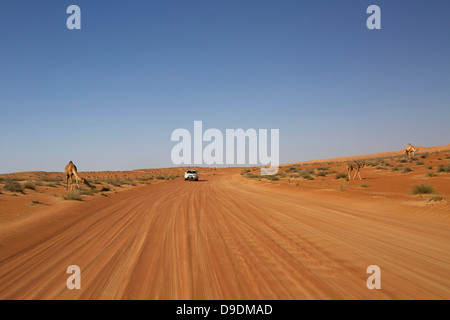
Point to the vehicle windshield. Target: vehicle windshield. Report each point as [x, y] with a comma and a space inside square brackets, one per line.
[191, 171]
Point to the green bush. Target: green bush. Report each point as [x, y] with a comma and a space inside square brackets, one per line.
[423, 189]
[406, 170]
[443, 168]
[72, 196]
[341, 175]
[13, 186]
[30, 185]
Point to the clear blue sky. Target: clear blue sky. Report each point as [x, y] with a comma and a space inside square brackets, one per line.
[108, 96]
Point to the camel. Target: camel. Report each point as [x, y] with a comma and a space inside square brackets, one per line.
[71, 172]
[357, 166]
[410, 149]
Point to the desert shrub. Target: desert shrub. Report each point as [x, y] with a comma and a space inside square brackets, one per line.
[72, 196]
[51, 179]
[395, 169]
[88, 192]
[419, 163]
[272, 177]
[251, 176]
[422, 189]
[105, 189]
[435, 199]
[292, 169]
[341, 175]
[430, 167]
[30, 185]
[363, 185]
[431, 174]
[406, 170]
[381, 168]
[426, 154]
[13, 186]
[118, 182]
[307, 176]
[323, 168]
[321, 174]
[443, 168]
[403, 161]
[160, 178]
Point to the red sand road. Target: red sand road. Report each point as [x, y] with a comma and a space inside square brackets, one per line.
[226, 238]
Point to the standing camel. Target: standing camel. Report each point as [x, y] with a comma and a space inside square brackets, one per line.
[71, 172]
[411, 150]
[357, 166]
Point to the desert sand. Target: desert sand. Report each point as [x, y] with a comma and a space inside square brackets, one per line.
[233, 234]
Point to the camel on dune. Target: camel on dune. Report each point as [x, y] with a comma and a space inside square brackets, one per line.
[71, 173]
[411, 150]
[357, 166]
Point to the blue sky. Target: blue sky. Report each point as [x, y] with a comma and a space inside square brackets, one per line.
[108, 96]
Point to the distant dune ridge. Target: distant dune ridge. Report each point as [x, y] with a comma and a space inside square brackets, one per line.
[380, 154]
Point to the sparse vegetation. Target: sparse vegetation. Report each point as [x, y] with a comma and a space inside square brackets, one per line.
[431, 174]
[72, 196]
[443, 168]
[423, 189]
[88, 192]
[341, 175]
[435, 199]
[30, 185]
[406, 170]
[118, 182]
[13, 186]
[364, 185]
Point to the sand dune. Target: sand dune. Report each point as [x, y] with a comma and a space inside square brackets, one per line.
[381, 154]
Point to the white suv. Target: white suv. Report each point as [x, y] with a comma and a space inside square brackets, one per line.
[191, 175]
